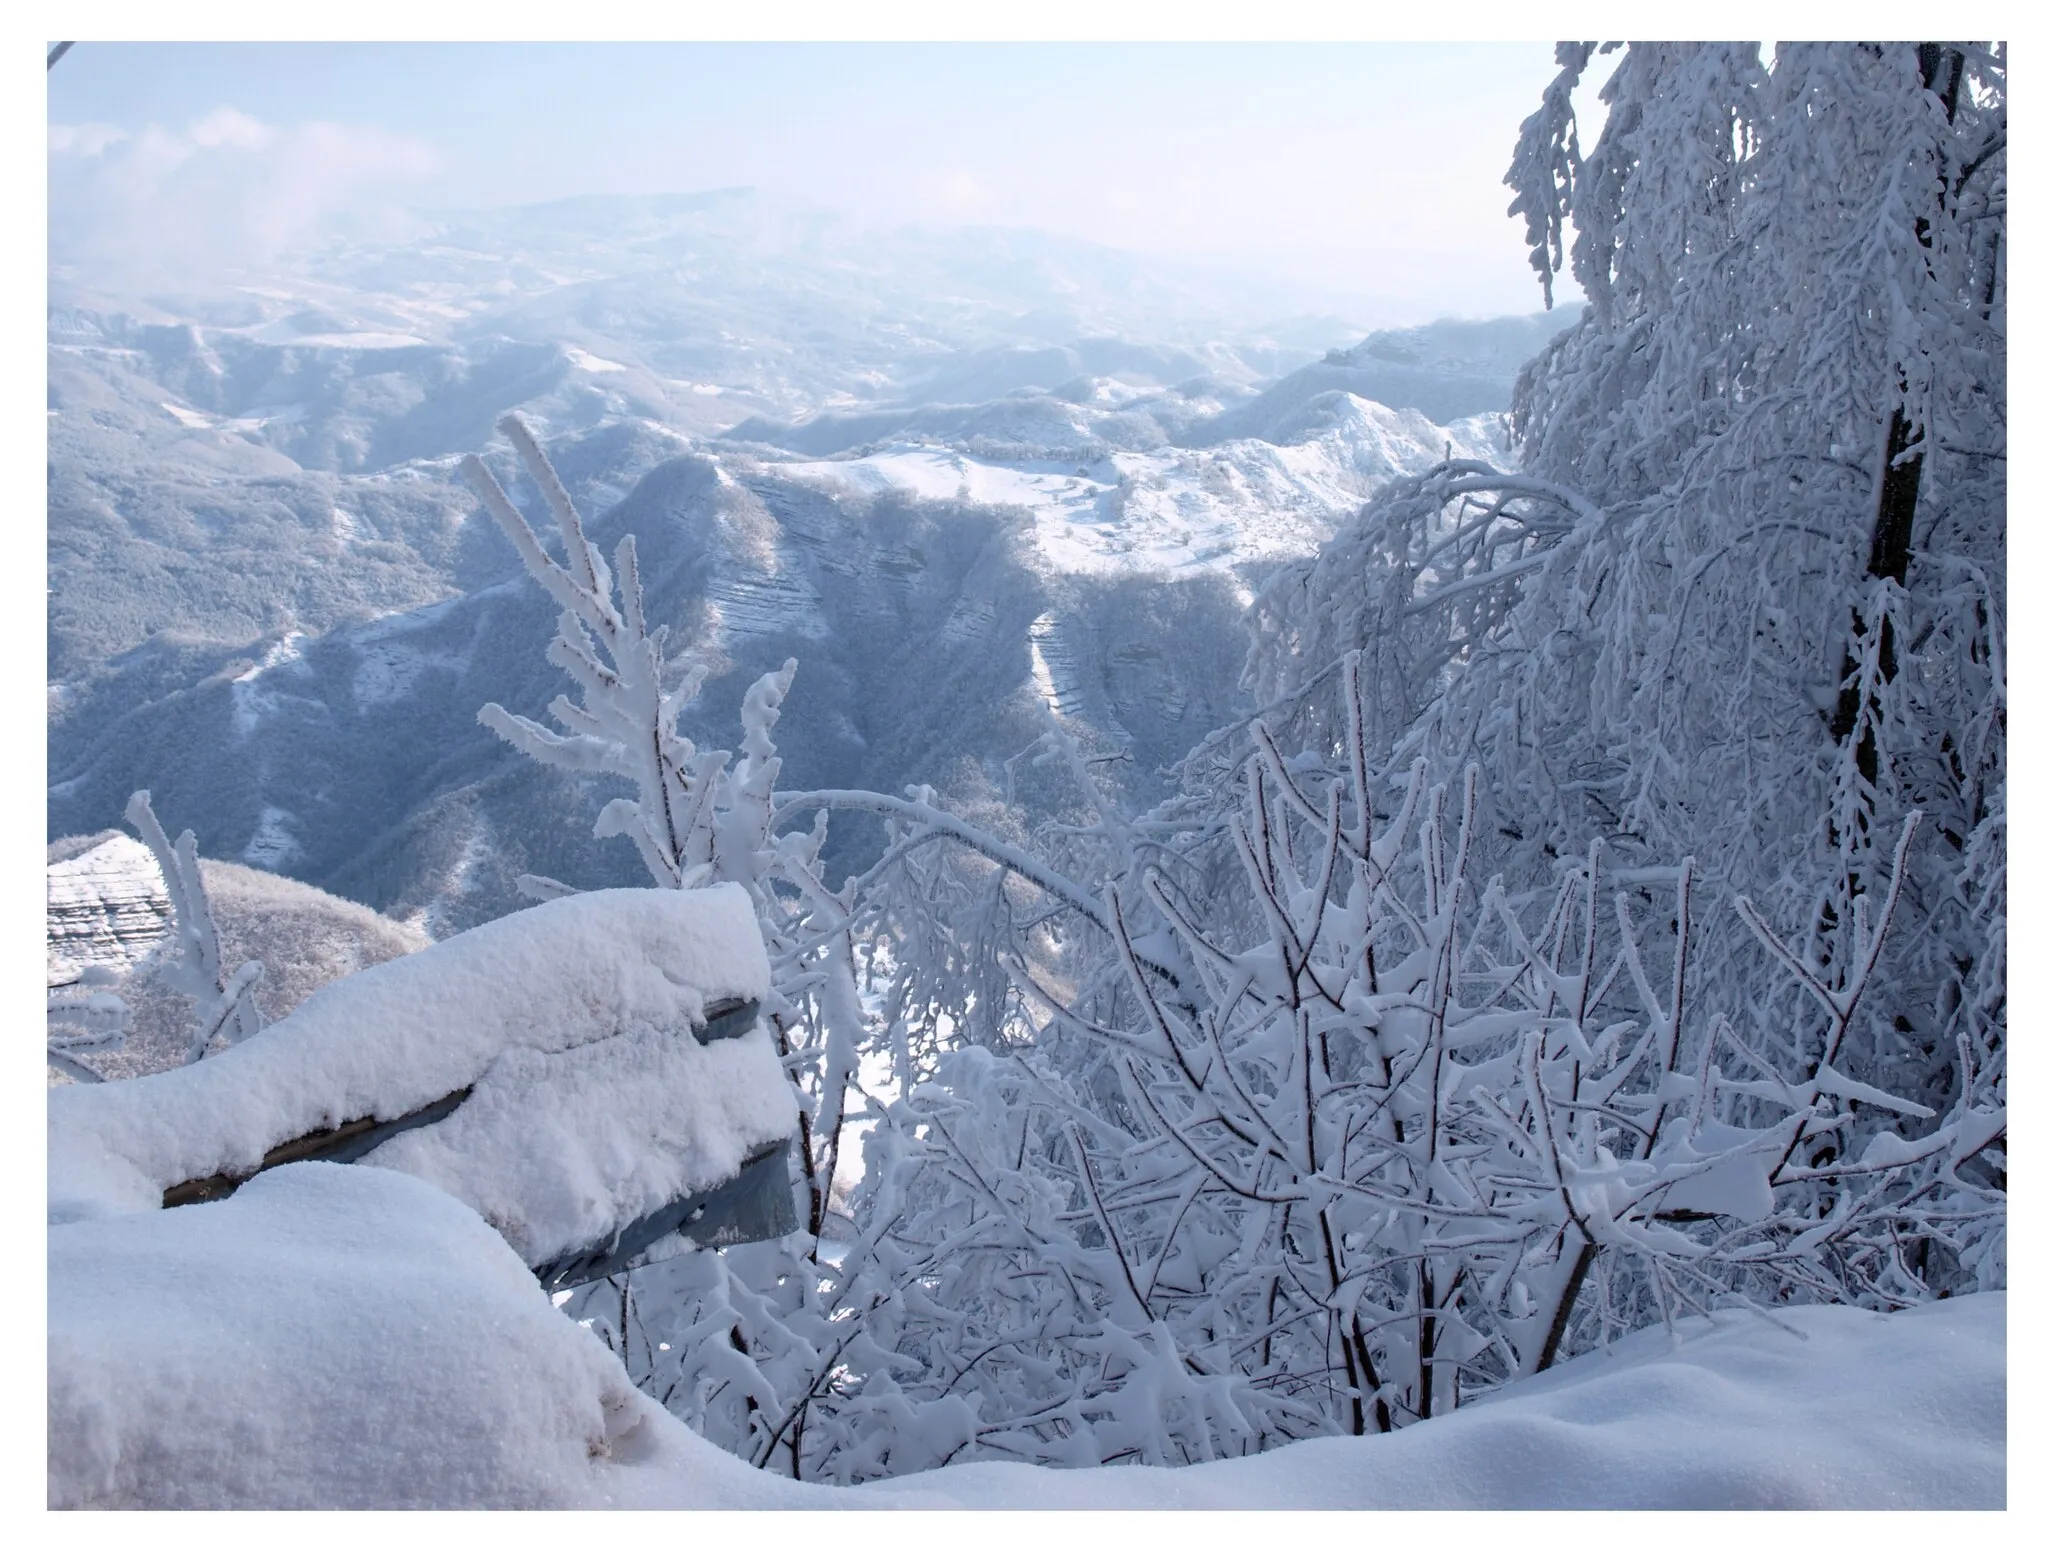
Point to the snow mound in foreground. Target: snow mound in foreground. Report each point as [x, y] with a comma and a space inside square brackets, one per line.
[328, 1337]
[333, 1336]
[591, 1104]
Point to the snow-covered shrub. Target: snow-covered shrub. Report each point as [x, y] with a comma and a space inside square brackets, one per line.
[1362, 1135]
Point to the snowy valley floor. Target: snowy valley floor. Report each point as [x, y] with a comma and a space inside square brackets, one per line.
[351, 1337]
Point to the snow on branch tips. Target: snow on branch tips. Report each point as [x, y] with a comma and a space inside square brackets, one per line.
[625, 723]
[191, 963]
[1396, 1138]
[86, 1017]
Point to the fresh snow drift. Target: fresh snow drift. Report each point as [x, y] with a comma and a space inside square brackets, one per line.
[329, 1337]
[347, 1338]
[1819, 1407]
[591, 1103]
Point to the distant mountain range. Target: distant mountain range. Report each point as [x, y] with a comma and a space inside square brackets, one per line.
[962, 478]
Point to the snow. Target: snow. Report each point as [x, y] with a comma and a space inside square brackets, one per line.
[591, 1106]
[107, 906]
[589, 363]
[1817, 1407]
[282, 333]
[272, 844]
[1179, 511]
[253, 700]
[340, 1337]
[327, 1337]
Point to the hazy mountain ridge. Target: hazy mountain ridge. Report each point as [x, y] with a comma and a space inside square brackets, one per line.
[275, 603]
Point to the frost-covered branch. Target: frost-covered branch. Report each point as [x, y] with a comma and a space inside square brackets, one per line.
[189, 960]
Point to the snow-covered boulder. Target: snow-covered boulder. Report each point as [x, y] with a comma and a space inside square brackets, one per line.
[546, 1061]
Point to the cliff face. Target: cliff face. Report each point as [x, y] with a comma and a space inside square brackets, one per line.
[107, 905]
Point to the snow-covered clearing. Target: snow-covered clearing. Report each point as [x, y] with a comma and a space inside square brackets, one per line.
[335, 1336]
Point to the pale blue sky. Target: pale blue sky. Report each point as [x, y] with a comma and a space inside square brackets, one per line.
[1364, 168]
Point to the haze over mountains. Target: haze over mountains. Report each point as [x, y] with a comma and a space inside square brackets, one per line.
[961, 477]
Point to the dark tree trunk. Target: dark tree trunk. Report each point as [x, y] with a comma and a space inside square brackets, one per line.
[1891, 545]
[1898, 490]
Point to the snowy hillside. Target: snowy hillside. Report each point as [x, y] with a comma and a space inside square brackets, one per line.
[1168, 511]
[278, 447]
[108, 907]
[1107, 585]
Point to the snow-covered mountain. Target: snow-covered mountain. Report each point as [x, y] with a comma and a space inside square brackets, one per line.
[961, 478]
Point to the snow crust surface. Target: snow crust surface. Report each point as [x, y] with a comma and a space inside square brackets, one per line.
[354, 1338]
[592, 1103]
[1822, 1407]
[328, 1337]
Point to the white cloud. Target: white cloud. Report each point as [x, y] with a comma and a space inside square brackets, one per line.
[226, 126]
[961, 193]
[226, 192]
[84, 139]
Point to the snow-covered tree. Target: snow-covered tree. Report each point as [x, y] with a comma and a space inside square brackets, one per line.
[1743, 598]
[1359, 1136]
